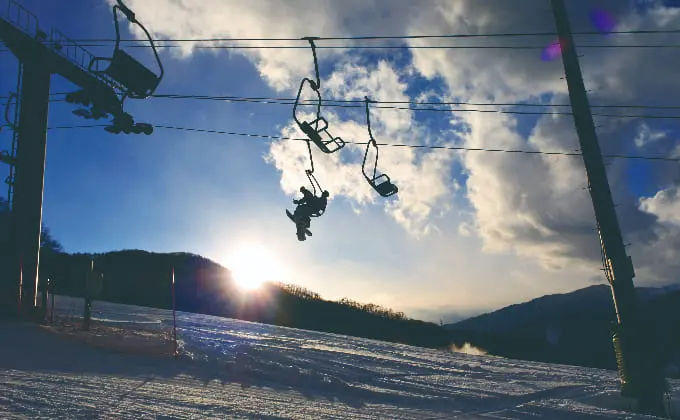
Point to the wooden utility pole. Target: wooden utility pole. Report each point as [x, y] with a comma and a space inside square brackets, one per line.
[639, 379]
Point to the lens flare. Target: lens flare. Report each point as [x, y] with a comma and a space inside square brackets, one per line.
[552, 51]
[602, 20]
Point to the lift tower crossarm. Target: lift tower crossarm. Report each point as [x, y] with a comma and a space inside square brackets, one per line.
[24, 47]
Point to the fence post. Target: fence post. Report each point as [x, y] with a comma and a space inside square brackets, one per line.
[93, 289]
[174, 316]
[50, 286]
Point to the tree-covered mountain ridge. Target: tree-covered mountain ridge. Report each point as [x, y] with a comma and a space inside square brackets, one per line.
[203, 286]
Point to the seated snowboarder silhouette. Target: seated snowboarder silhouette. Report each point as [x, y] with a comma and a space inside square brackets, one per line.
[307, 206]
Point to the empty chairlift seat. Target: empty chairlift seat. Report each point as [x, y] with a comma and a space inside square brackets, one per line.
[132, 77]
[382, 184]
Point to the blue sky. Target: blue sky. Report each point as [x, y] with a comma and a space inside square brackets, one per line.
[468, 232]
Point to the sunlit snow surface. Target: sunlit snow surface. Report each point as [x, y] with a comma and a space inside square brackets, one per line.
[236, 369]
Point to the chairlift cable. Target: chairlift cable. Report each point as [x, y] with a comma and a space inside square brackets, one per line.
[416, 146]
[393, 47]
[342, 104]
[385, 37]
[333, 102]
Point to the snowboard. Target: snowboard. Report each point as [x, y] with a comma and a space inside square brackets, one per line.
[301, 232]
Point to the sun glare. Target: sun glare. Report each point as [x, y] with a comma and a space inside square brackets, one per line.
[253, 265]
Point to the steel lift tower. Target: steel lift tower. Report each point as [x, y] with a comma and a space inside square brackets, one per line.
[101, 95]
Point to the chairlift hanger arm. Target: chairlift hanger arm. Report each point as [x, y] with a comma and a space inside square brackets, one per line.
[316, 61]
[316, 187]
[129, 14]
[116, 24]
[371, 141]
[375, 165]
[311, 158]
[315, 85]
[368, 119]
[155, 51]
[299, 94]
[310, 172]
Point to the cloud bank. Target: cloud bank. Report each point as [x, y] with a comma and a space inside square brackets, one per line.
[532, 206]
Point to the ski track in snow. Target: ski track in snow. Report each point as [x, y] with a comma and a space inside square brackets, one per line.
[238, 369]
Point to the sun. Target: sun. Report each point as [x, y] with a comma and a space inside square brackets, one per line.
[253, 265]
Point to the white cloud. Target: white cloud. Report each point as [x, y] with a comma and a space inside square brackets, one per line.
[657, 260]
[280, 67]
[646, 135]
[423, 178]
[665, 205]
[355, 82]
[501, 75]
[676, 152]
[533, 206]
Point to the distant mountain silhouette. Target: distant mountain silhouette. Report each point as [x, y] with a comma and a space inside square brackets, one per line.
[553, 308]
[571, 328]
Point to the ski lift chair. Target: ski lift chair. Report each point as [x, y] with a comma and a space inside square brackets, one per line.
[382, 184]
[314, 130]
[135, 80]
[318, 127]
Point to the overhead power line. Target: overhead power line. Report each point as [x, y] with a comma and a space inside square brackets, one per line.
[162, 42]
[415, 146]
[388, 47]
[332, 102]
[384, 37]
[329, 102]
[343, 104]
[346, 104]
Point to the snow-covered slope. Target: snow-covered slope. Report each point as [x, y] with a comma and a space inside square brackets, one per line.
[245, 370]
